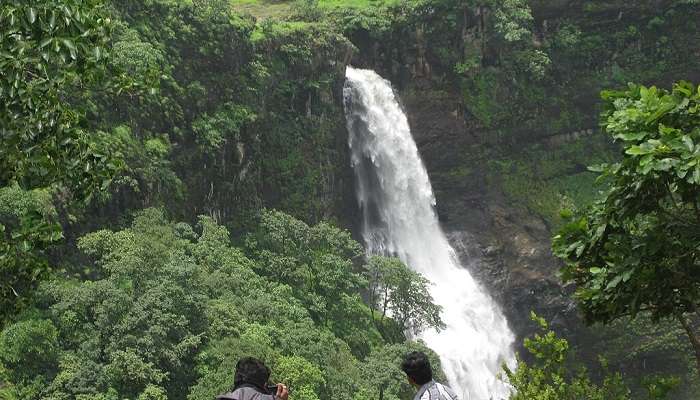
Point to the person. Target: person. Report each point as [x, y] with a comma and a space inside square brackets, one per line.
[250, 383]
[420, 374]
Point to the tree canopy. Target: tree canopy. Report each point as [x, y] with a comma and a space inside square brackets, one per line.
[554, 375]
[396, 290]
[637, 248]
[50, 51]
[164, 310]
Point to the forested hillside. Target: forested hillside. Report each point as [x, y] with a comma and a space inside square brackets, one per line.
[164, 310]
[176, 191]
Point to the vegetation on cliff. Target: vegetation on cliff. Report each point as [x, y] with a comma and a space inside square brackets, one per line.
[555, 374]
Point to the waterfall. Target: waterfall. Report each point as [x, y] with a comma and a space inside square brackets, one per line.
[397, 204]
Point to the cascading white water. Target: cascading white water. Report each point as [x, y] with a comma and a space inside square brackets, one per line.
[397, 204]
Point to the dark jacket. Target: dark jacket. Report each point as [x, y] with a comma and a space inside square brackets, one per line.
[245, 392]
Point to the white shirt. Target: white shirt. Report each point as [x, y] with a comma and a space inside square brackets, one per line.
[435, 391]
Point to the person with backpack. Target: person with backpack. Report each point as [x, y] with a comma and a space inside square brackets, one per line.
[250, 383]
[420, 374]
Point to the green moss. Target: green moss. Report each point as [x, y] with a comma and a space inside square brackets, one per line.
[355, 3]
[641, 345]
[481, 95]
[263, 9]
[278, 29]
[546, 179]
[17, 202]
[266, 9]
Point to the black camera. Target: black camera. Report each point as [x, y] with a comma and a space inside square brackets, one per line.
[272, 389]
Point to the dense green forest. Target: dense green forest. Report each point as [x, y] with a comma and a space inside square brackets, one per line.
[176, 192]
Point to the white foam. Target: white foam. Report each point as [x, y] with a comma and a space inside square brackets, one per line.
[397, 201]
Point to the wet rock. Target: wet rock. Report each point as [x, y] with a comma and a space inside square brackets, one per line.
[507, 249]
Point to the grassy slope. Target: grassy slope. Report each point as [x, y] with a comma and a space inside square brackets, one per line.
[262, 9]
[277, 9]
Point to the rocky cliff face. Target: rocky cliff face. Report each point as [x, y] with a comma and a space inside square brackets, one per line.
[505, 247]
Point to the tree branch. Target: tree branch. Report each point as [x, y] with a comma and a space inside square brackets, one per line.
[692, 336]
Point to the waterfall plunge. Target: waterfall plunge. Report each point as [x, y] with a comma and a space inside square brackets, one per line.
[397, 202]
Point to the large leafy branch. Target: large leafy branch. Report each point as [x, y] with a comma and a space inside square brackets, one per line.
[638, 247]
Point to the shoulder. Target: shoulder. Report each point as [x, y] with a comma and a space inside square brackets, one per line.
[447, 393]
[245, 393]
[428, 392]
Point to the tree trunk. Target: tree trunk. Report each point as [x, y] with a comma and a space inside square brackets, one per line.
[482, 31]
[373, 304]
[386, 302]
[694, 340]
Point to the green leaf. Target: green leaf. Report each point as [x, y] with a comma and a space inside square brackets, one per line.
[613, 283]
[665, 164]
[31, 15]
[660, 112]
[696, 175]
[646, 160]
[684, 90]
[105, 184]
[688, 142]
[637, 151]
[627, 275]
[631, 136]
[71, 48]
[598, 168]
[55, 236]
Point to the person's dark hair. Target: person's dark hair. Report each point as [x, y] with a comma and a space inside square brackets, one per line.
[251, 371]
[417, 366]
